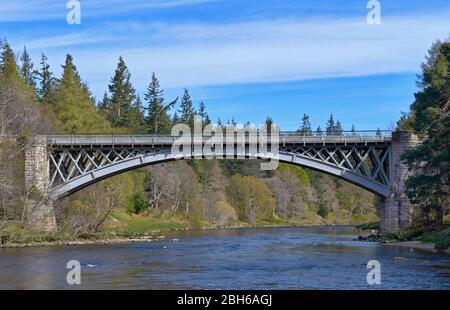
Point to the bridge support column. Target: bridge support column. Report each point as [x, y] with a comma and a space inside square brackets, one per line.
[40, 213]
[396, 209]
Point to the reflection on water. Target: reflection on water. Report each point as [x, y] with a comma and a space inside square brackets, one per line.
[256, 258]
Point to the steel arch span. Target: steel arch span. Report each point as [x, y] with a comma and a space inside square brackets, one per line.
[58, 166]
[79, 163]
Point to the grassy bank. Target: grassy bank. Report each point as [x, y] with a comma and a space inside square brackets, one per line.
[437, 235]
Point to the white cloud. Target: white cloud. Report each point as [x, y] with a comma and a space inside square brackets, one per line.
[39, 10]
[282, 50]
[205, 54]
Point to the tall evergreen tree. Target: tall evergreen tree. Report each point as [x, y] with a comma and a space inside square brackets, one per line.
[187, 111]
[305, 128]
[138, 103]
[47, 83]
[354, 130]
[8, 65]
[219, 122]
[175, 118]
[105, 103]
[122, 96]
[136, 116]
[203, 114]
[319, 131]
[428, 188]
[27, 70]
[158, 119]
[330, 127]
[378, 132]
[73, 105]
[337, 131]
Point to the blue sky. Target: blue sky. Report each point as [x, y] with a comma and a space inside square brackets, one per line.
[246, 59]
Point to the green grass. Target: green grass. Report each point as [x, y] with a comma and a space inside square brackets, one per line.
[440, 239]
[132, 224]
[407, 234]
[369, 226]
[439, 236]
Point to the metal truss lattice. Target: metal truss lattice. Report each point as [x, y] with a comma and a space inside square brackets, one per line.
[369, 161]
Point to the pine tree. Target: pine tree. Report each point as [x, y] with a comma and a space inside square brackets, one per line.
[219, 122]
[428, 188]
[319, 131]
[203, 114]
[187, 110]
[122, 96]
[337, 131]
[47, 83]
[8, 66]
[26, 70]
[330, 127]
[354, 131]
[175, 118]
[233, 122]
[269, 124]
[305, 128]
[73, 105]
[136, 116]
[378, 133]
[105, 104]
[158, 119]
[138, 103]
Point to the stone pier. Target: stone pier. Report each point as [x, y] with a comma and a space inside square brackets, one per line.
[396, 210]
[40, 213]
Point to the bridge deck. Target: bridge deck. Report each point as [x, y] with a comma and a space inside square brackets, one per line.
[161, 140]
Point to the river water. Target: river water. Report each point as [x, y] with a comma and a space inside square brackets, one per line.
[247, 258]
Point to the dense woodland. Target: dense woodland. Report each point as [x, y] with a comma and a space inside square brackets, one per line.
[198, 192]
[429, 117]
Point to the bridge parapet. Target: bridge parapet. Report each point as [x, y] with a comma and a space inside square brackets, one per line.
[241, 138]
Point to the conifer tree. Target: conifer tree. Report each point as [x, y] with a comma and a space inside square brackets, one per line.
[47, 83]
[27, 70]
[122, 96]
[337, 131]
[105, 103]
[428, 188]
[353, 130]
[175, 118]
[269, 123]
[203, 114]
[73, 105]
[319, 131]
[330, 127]
[8, 66]
[378, 132]
[187, 111]
[305, 128]
[158, 119]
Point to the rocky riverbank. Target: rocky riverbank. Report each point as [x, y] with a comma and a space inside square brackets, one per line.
[418, 245]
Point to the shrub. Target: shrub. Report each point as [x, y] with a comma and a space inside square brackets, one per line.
[138, 203]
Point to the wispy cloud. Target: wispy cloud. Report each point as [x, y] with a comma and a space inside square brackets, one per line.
[39, 10]
[198, 54]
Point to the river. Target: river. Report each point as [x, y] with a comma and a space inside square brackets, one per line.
[245, 258]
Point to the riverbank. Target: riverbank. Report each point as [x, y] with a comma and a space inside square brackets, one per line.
[433, 237]
[418, 245]
[61, 239]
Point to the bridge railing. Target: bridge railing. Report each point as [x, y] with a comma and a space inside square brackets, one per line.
[149, 139]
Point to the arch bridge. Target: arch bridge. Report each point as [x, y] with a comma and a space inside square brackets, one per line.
[60, 165]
